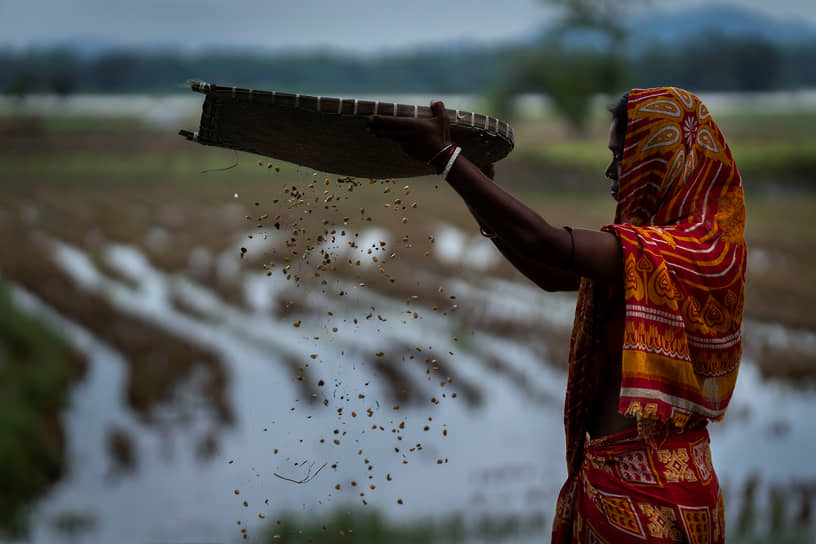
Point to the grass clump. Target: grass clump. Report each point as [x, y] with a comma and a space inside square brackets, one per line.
[36, 370]
[360, 526]
[368, 526]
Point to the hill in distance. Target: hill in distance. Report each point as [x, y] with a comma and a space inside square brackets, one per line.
[668, 26]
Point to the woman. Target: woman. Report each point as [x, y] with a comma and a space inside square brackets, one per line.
[656, 343]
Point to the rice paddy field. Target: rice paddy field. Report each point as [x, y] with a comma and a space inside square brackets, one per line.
[202, 345]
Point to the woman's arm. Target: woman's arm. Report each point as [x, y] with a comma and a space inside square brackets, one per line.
[534, 244]
[549, 278]
[531, 239]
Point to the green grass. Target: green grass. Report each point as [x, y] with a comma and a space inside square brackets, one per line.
[771, 148]
[36, 370]
[782, 162]
[590, 156]
[363, 526]
[144, 166]
[56, 124]
[767, 125]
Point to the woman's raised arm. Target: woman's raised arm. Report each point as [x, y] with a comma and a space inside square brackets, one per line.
[533, 245]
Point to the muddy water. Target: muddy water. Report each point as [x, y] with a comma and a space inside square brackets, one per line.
[500, 456]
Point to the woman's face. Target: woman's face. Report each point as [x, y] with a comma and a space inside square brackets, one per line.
[614, 169]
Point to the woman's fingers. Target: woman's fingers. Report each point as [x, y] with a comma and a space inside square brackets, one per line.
[420, 138]
[438, 110]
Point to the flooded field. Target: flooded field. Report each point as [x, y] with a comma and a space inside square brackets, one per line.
[271, 343]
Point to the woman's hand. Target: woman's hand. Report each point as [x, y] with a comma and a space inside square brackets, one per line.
[421, 139]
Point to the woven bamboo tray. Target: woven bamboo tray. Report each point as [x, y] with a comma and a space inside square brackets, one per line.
[329, 134]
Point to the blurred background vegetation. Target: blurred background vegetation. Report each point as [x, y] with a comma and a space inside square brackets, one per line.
[594, 47]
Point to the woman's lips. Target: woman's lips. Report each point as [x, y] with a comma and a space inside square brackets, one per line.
[613, 189]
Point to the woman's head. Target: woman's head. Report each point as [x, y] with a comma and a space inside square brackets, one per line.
[619, 115]
[670, 146]
[617, 135]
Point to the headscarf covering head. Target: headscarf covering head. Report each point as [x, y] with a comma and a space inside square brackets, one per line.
[680, 220]
[673, 148]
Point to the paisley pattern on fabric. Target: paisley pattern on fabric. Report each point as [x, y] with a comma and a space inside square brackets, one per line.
[680, 220]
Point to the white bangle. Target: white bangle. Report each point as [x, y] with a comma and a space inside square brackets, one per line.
[438, 153]
[452, 160]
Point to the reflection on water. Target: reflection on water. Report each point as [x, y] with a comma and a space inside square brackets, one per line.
[497, 453]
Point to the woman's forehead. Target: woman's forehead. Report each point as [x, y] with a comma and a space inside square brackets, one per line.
[614, 136]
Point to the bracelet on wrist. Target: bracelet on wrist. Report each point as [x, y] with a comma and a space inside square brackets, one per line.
[439, 153]
[487, 234]
[443, 159]
[456, 151]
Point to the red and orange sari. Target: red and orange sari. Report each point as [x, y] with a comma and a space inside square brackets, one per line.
[680, 221]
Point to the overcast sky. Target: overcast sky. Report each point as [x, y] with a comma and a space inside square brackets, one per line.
[356, 25]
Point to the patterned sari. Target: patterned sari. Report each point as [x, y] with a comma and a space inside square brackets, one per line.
[679, 221]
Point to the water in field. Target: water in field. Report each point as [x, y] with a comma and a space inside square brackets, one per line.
[497, 453]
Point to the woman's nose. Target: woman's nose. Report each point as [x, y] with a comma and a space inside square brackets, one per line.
[611, 170]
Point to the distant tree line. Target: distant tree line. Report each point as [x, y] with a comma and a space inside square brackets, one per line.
[712, 62]
[129, 70]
